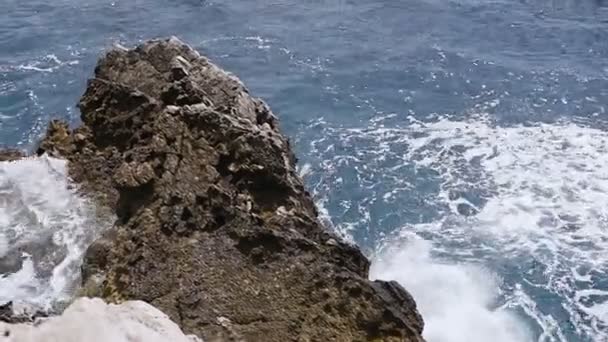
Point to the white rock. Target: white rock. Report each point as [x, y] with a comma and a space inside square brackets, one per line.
[93, 320]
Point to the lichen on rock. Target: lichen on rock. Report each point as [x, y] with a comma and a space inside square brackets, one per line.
[215, 227]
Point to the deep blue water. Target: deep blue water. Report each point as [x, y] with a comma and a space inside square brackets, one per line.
[470, 134]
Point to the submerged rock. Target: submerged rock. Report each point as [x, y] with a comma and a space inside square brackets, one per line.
[92, 320]
[215, 227]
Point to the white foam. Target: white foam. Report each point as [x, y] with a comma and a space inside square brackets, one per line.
[41, 214]
[549, 197]
[304, 170]
[455, 300]
[538, 205]
[46, 64]
[17, 285]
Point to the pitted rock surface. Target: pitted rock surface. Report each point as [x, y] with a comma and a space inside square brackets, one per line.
[215, 227]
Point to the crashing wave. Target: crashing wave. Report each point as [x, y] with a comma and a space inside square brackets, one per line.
[45, 227]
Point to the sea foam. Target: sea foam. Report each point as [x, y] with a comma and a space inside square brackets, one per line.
[45, 228]
[514, 246]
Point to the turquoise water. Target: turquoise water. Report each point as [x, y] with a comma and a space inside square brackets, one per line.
[462, 144]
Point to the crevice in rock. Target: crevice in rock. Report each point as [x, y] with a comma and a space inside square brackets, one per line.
[132, 199]
[260, 247]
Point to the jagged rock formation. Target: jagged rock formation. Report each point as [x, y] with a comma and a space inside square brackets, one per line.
[214, 225]
[92, 320]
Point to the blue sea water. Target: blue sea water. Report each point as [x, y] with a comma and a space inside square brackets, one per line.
[463, 144]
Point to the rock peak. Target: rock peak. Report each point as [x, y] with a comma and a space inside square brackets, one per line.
[215, 227]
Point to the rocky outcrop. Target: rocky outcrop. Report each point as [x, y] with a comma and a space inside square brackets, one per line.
[92, 320]
[10, 155]
[214, 226]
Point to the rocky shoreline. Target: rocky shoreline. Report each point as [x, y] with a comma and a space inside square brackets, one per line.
[214, 226]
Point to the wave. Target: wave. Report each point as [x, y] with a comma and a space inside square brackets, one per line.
[46, 64]
[45, 228]
[509, 223]
[456, 300]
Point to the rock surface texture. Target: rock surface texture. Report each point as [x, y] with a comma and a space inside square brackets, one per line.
[92, 320]
[214, 225]
[10, 155]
